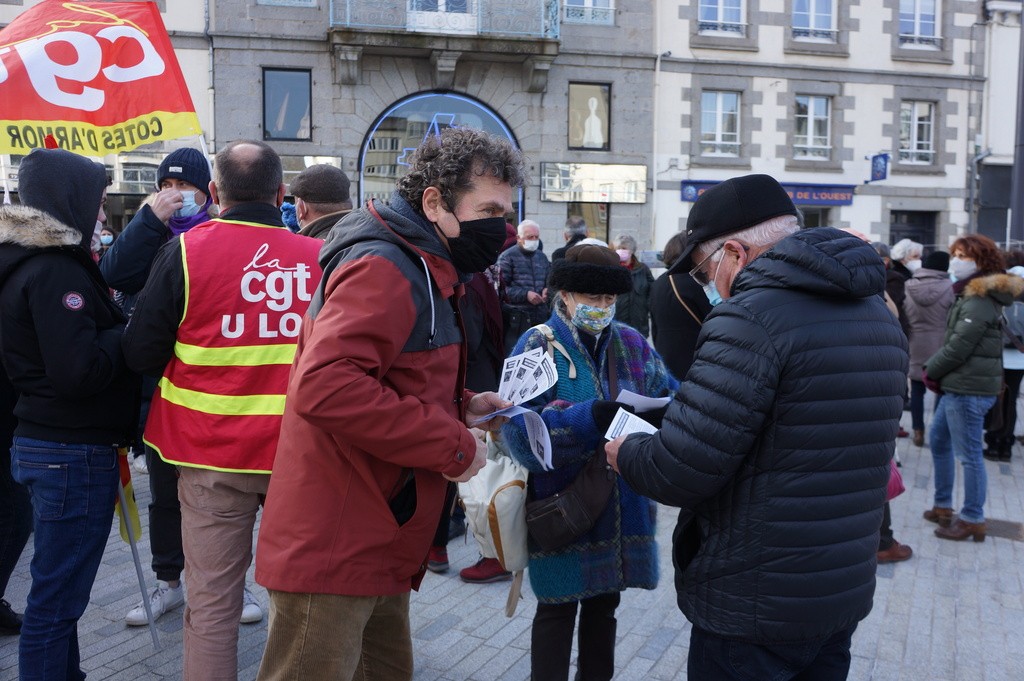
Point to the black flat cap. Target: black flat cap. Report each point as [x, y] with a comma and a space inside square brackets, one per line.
[732, 206]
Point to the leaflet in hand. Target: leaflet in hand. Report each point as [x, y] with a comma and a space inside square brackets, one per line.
[625, 423]
[641, 403]
[525, 376]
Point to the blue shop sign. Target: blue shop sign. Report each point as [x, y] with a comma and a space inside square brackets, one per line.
[802, 194]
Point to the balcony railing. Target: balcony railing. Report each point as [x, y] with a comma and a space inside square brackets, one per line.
[580, 14]
[927, 42]
[527, 18]
[815, 34]
[723, 27]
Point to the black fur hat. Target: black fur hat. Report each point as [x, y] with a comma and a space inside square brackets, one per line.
[588, 268]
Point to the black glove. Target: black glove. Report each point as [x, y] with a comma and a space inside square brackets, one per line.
[604, 411]
[654, 416]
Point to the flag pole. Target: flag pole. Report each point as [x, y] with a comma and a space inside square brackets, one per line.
[4, 159]
[206, 153]
[138, 565]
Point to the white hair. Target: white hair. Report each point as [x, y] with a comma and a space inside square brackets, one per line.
[591, 241]
[523, 225]
[627, 242]
[767, 233]
[905, 249]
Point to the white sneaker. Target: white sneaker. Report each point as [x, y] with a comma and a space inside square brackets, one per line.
[251, 610]
[139, 464]
[163, 599]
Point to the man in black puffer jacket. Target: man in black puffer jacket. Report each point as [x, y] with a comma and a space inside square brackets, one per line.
[777, 446]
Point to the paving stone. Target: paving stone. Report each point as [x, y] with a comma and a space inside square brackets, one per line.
[955, 611]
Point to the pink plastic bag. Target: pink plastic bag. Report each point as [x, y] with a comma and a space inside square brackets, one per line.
[895, 487]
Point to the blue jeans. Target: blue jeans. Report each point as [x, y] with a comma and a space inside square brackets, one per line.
[73, 488]
[958, 430]
[722, 659]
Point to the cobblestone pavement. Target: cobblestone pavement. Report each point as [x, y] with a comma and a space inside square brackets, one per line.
[954, 611]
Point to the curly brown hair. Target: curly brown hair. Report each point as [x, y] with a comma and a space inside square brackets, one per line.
[450, 161]
[982, 250]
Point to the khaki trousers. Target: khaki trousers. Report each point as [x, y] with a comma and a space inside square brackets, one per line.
[336, 638]
[218, 512]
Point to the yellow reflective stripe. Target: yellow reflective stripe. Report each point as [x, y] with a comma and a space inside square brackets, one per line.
[184, 269]
[247, 224]
[224, 405]
[190, 464]
[240, 356]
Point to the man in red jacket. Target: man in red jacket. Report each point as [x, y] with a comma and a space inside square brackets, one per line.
[375, 423]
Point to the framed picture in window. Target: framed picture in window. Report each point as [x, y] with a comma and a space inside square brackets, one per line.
[287, 104]
[589, 116]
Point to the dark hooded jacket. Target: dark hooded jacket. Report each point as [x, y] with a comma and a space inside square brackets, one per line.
[59, 330]
[373, 417]
[778, 445]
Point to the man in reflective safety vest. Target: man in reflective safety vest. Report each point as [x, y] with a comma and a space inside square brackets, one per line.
[219, 318]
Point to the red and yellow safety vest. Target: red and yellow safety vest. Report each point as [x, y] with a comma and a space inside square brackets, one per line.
[220, 400]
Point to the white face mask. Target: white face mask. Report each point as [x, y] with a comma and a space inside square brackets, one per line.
[95, 241]
[961, 269]
[913, 265]
[531, 244]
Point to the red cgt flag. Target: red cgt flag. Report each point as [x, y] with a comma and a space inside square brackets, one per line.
[100, 78]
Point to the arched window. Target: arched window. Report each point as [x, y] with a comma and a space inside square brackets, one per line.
[405, 124]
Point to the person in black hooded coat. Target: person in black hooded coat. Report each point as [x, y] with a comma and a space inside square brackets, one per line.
[60, 342]
[777, 446]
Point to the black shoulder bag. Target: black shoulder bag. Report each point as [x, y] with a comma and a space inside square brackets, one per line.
[558, 520]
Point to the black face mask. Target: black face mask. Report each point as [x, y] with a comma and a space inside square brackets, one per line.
[478, 244]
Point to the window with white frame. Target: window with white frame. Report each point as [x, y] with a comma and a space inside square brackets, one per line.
[589, 12]
[917, 133]
[720, 123]
[814, 20]
[919, 25]
[722, 16]
[459, 6]
[382, 143]
[811, 140]
[442, 16]
[138, 178]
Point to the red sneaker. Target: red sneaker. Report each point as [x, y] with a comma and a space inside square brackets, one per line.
[902, 433]
[485, 571]
[437, 559]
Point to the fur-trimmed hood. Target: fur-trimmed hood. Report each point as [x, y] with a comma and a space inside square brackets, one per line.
[32, 228]
[1003, 288]
[25, 231]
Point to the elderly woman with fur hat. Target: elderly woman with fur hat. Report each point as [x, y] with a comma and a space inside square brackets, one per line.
[596, 357]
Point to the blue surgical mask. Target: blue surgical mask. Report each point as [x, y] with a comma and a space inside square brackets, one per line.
[189, 207]
[106, 239]
[711, 291]
[591, 318]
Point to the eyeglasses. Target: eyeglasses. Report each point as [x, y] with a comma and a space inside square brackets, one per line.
[698, 274]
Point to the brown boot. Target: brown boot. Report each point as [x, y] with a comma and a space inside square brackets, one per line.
[942, 516]
[961, 530]
[895, 553]
[918, 438]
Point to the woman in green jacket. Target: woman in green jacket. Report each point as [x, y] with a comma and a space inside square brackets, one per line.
[968, 370]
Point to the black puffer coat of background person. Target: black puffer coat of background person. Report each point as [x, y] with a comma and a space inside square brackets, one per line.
[779, 443]
[633, 308]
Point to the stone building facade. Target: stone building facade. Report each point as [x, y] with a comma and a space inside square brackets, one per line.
[365, 80]
[817, 94]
